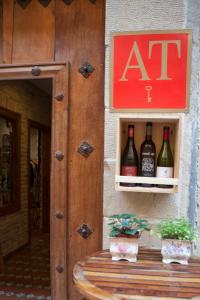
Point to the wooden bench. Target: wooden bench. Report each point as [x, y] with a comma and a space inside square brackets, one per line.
[98, 277]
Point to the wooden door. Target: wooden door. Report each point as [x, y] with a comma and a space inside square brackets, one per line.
[59, 139]
[70, 31]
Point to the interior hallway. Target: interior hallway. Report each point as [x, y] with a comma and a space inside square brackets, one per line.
[27, 273]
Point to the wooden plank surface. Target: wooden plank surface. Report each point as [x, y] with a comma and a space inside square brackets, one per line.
[80, 39]
[8, 7]
[78, 29]
[1, 32]
[98, 277]
[34, 33]
[59, 142]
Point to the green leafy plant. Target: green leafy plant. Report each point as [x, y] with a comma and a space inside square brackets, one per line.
[126, 225]
[179, 228]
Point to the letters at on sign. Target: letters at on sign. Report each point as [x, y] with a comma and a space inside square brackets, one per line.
[150, 71]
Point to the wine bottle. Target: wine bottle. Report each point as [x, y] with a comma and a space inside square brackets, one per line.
[129, 161]
[165, 161]
[148, 156]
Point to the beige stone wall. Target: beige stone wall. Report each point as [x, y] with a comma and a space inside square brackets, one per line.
[133, 15]
[30, 103]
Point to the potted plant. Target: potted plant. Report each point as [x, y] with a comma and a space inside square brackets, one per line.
[125, 229]
[177, 236]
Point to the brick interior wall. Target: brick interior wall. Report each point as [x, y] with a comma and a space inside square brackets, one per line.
[31, 103]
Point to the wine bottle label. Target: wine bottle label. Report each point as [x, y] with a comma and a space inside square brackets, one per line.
[148, 154]
[147, 166]
[164, 172]
[129, 171]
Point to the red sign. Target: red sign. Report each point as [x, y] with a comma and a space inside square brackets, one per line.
[151, 70]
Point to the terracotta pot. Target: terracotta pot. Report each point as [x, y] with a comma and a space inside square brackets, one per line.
[176, 251]
[124, 248]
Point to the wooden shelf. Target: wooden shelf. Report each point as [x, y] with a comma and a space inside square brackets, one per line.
[139, 189]
[139, 121]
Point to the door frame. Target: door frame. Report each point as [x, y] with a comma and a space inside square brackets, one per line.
[58, 72]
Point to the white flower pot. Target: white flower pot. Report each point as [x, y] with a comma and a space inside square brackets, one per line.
[124, 248]
[176, 251]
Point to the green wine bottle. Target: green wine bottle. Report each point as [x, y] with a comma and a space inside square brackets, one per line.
[165, 161]
[129, 161]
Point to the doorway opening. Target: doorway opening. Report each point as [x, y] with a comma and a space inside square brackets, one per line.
[25, 149]
[39, 183]
[58, 76]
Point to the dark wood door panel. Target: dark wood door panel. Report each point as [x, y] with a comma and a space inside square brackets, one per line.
[80, 39]
[59, 200]
[1, 32]
[33, 33]
[7, 34]
[73, 33]
[80, 31]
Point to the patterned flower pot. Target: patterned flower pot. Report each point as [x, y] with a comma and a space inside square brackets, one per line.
[124, 248]
[176, 251]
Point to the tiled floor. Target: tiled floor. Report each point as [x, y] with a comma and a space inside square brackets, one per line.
[27, 274]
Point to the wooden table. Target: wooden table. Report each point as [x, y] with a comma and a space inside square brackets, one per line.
[98, 277]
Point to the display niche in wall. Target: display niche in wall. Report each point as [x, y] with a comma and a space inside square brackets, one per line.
[152, 169]
[9, 162]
